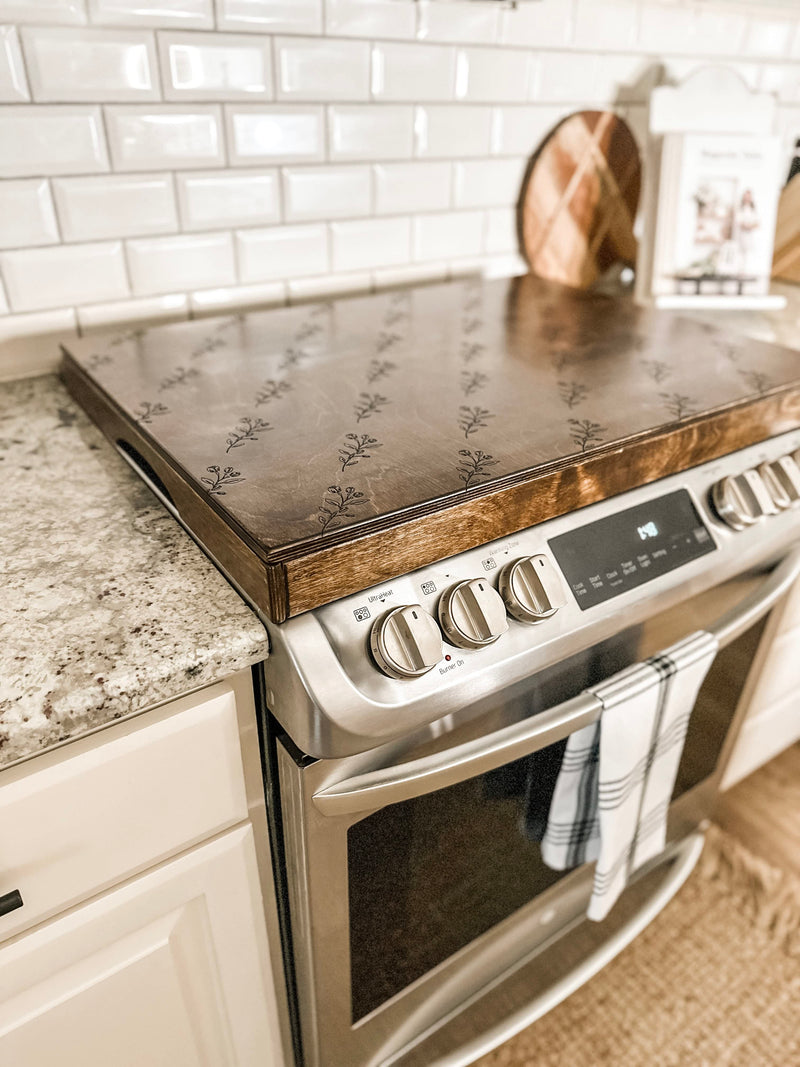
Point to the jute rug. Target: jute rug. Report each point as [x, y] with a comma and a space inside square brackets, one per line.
[714, 981]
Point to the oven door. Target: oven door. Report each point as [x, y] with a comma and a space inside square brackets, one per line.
[423, 917]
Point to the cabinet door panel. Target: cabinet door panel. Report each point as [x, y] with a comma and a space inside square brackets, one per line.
[171, 969]
[166, 782]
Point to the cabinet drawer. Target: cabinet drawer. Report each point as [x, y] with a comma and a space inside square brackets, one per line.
[88, 815]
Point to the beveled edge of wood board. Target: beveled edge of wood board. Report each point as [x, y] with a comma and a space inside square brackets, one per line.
[310, 574]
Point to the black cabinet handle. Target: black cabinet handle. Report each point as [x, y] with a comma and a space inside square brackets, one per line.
[10, 902]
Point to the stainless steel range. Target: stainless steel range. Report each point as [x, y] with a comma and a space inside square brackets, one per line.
[414, 731]
[458, 509]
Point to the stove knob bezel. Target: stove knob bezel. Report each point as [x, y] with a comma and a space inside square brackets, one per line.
[472, 614]
[413, 630]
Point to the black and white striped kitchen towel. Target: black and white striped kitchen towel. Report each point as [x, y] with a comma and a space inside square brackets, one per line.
[616, 779]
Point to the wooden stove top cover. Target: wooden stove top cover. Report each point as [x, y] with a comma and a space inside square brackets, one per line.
[317, 425]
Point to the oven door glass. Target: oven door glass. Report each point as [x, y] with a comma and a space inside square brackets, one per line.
[429, 875]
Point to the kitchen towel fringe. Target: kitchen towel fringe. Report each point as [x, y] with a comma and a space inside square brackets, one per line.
[617, 775]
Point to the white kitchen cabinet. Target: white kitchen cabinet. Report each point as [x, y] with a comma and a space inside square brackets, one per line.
[771, 696]
[148, 932]
[166, 970]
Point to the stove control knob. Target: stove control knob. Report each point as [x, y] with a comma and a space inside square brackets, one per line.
[741, 500]
[406, 642]
[782, 479]
[472, 614]
[531, 588]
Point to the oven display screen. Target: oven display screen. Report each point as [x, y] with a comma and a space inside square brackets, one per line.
[623, 551]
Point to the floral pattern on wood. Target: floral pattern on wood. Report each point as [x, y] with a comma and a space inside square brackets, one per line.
[584, 432]
[572, 393]
[337, 504]
[220, 478]
[756, 380]
[369, 404]
[472, 381]
[378, 369]
[357, 446]
[657, 369]
[147, 411]
[678, 405]
[474, 466]
[248, 430]
[470, 420]
[180, 376]
[272, 389]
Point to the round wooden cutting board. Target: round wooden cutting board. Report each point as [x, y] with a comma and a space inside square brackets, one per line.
[579, 202]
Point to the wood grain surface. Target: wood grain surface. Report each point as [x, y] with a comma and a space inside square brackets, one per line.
[319, 450]
[580, 198]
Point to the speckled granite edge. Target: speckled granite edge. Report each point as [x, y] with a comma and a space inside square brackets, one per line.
[108, 607]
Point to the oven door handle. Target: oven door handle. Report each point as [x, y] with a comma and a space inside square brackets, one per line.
[388, 785]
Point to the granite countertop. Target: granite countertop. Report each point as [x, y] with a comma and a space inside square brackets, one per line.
[108, 607]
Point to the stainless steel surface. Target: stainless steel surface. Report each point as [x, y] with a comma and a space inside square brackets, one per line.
[406, 642]
[389, 785]
[472, 614]
[333, 701]
[782, 479]
[531, 588]
[547, 978]
[735, 502]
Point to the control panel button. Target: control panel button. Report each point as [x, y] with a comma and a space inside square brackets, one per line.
[782, 479]
[472, 614]
[406, 642]
[531, 588]
[740, 500]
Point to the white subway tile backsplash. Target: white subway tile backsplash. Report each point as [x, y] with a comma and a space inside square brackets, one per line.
[146, 138]
[413, 274]
[4, 309]
[324, 69]
[501, 230]
[326, 192]
[446, 131]
[770, 38]
[52, 11]
[68, 65]
[29, 344]
[371, 243]
[624, 79]
[270, 16]
[493, 74]
[611, 24]
[520, 129]
[166, 264]
[488, 182]
[171, 307]
[13, 83]
[282, 252]
[350, 284]
[403, 188]
[458, 20]
[370, 132]
[27, 217]
[783, 79]
[237, 297]
[214, 199]
[371, 18]
[279, 134]
[448, 235]
[413, 72]
[691, 31]
[51, 140]
[215, 66]
[63, 275]
[192, 14]
[115, 205]
[547, 24]
[565, 76]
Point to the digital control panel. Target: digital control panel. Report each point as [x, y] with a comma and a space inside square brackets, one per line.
[627, 549]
